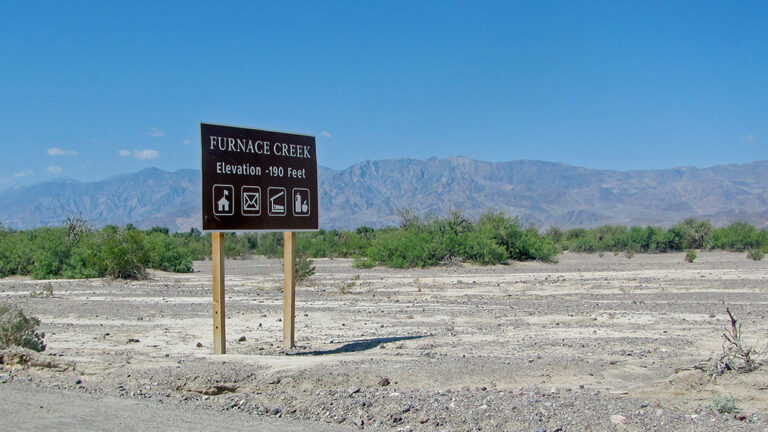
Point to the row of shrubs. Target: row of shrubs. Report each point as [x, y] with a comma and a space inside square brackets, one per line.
[120, 252]
[76, 250]
[688, 234]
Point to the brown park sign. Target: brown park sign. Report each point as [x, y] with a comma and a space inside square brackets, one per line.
[258, 180]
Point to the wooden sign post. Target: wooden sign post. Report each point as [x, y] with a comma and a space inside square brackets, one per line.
[217, 259]
[289, 288]
[256, 180]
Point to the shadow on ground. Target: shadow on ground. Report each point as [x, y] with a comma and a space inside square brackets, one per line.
[358, 345]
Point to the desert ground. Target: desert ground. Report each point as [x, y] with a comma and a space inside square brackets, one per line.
[590, 343]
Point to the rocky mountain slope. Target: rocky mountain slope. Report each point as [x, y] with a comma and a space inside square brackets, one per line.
[370, 192]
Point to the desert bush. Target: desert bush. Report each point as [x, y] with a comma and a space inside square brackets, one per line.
[269, 245]
[696, 233]
[45, 291]
[690, 256]
[167, 253]
[304, 268]
[555, 234]
[122, 253]
[18, 329]
[346, 287]
[407, 247]
[736, 355]
[756, 254]
[429, 241]
[674, 239]
[16, 253]
[739, 236]
[724, 404]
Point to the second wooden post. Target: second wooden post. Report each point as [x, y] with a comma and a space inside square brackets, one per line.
[219, 315]
[289, 288]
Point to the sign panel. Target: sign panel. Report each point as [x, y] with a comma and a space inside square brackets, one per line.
[258, 180]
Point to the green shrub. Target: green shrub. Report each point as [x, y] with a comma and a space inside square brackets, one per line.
[123, 254]
[16, 253]
[739, 236]
[168, 253]
[51, 251]
[725, 404]
[304, 268]
[756, 254]
[690, 256]
[18, 329]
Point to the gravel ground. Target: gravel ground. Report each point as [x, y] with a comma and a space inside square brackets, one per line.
[591, 343]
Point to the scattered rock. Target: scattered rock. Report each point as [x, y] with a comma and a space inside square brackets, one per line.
[383, 382]
[618, 419]
[133, 340]
[213, 390]
[199, 345]
[16, 356]
[241, 339]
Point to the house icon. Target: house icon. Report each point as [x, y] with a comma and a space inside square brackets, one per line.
[223, 203]
[223, 196]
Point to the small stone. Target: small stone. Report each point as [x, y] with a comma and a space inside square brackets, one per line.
[78, 381]
[659, 412]
[133, 340]
[199, 345]
[279, 319]
[423, 420]
[384, 382]
[740, 417]
[541, 430]
[241, 339]
[274, 411]
[353, 390]
[644, 405]
[618, 419]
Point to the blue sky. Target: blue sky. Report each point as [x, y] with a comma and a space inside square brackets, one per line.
[92, 89]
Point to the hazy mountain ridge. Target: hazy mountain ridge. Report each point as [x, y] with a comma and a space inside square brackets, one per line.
[370, 192]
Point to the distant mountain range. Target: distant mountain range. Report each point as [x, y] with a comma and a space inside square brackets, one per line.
[370, 192]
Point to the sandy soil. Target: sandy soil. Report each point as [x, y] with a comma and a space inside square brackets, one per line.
[589, 343]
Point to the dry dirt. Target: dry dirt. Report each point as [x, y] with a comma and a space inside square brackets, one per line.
[590, 343]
